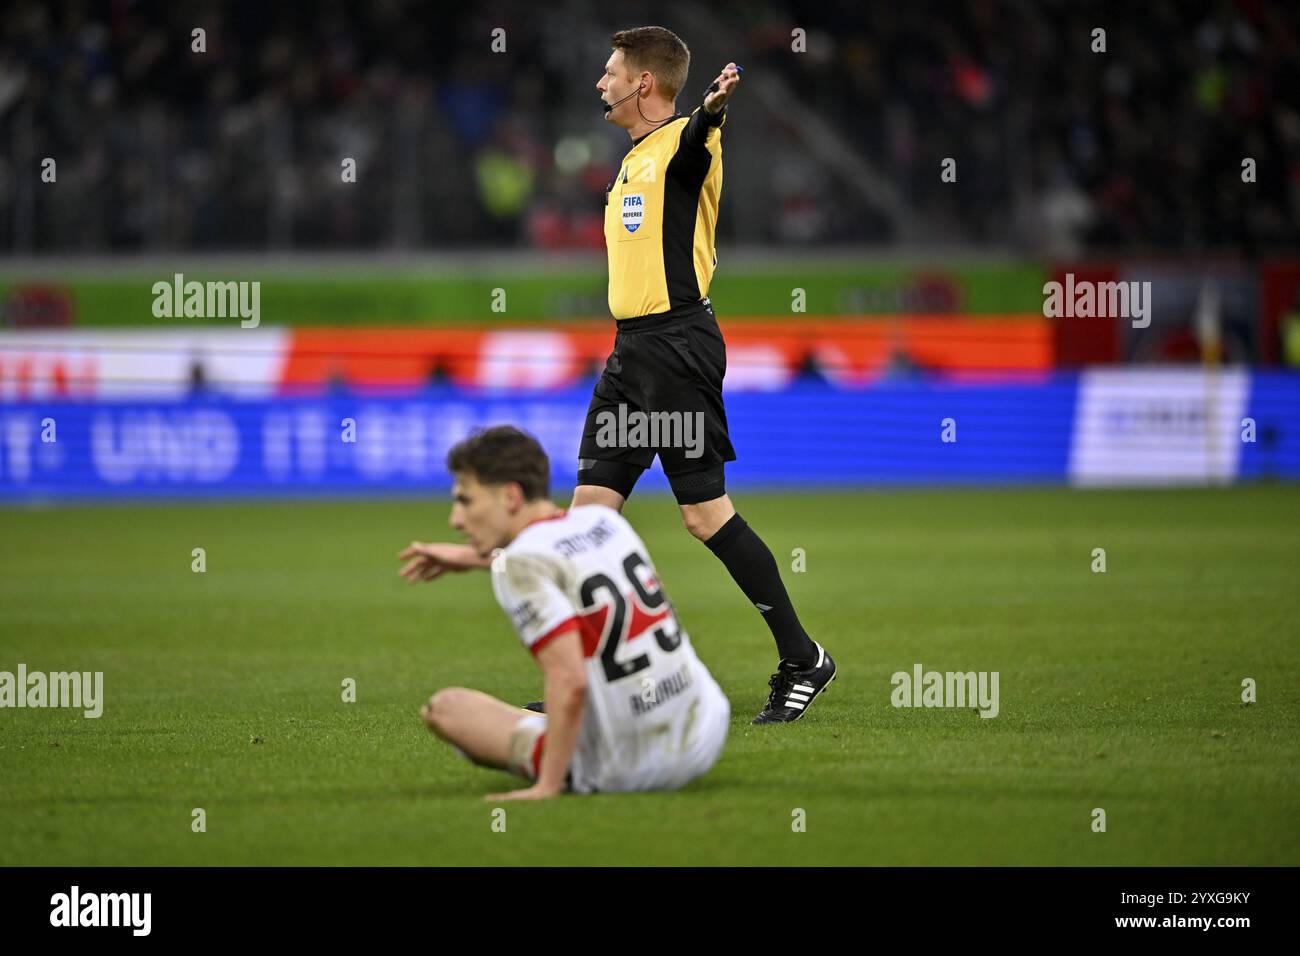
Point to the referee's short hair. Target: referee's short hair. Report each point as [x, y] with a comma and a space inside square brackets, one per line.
[658, 50]
[501, 454]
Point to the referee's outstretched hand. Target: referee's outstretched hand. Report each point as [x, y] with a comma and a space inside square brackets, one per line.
[727, 81]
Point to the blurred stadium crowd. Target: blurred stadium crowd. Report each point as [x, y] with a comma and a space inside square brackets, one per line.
[1060, 150]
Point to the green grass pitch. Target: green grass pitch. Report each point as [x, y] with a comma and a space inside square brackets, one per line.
[1119, 690]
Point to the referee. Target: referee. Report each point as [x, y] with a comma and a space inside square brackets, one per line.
[669, 356]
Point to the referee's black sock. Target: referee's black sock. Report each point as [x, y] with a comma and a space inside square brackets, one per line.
[751, 563]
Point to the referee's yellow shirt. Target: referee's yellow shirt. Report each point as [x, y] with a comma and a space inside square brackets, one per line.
[660, 215]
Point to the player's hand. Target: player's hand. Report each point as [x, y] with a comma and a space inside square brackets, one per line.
[727, 82]
[424, 562]
[535, 792]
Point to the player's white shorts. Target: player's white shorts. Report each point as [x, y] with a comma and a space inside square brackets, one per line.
[668, 768]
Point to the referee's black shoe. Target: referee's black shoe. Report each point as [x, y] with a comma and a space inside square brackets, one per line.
[537, 707]
[794, 689]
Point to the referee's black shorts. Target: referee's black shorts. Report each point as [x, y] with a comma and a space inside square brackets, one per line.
[661, 394]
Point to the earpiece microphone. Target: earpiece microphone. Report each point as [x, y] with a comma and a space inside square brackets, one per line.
[610, 106]
[644, 118]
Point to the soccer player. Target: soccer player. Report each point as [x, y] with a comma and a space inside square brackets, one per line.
[669, 357]
[628, 704]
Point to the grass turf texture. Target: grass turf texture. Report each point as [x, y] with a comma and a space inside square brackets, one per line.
[1118, 690]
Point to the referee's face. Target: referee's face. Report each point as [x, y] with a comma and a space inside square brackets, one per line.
[616, 83]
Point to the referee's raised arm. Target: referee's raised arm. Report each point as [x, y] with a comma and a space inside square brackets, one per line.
[721, 89]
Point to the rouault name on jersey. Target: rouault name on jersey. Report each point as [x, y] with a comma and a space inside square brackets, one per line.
[655, 694]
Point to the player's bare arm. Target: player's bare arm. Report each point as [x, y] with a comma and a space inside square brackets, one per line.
[426, 562]
[565, 676]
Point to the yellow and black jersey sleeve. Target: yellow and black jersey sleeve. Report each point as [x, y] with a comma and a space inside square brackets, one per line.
[660, 217]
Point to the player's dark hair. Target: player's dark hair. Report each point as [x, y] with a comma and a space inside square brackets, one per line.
[658, 50]
[502, 454]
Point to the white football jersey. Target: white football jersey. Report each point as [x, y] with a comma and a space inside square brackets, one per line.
[655, 717]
